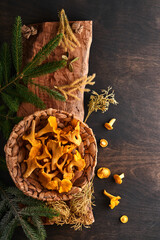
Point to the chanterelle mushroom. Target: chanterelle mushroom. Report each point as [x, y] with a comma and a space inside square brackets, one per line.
[50, 127]
[31, 137]
[109, 125]
[49, 181]
[76, 162]
[113, 200]
[124, 219]
[57, 152]
[103, 172]
[45, 153]
[118, 178]
[74, 136]
[103, 143]
[65, 186]
[32, 162]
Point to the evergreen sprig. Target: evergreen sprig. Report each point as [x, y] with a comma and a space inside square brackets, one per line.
[44, 69]
[51, 92]
[17, 44]
[5, 58]
[29, 96]
[43, 53]
[13, 87]
[18, 209]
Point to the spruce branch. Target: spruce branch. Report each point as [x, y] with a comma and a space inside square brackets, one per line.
[17, 44]
[50, 92]
[5, 58]
[43, 54]
[28, 217]
[45, 69]
[12, 81]
[13, 91]
[5, 219]
[38, 59]
[41, 211]
[12, 103]
[39, 226]
[29, 96]
[30, 230]
[2, 207]
[8, 230]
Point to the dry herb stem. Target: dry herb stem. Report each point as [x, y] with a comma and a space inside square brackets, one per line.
[69, 40]
[100, 101]
[78, 84]
[77, 212]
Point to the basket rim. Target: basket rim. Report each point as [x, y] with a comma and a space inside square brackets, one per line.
[9, 154]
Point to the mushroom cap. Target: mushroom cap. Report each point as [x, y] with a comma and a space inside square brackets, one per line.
[103, 172]
[114, 202]
[117, 178]
[65, 186]
[103, 143]
[124, 219]
[108, 126]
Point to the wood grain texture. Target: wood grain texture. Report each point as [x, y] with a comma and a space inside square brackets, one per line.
[45, 32]
[125, 54]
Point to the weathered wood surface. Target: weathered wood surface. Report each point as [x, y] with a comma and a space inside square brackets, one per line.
[125, 54]
[45, 32]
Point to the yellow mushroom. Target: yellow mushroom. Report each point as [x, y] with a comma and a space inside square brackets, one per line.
[46, 180]
[32, 162]
[118, 178]
[109, 125]
[69, 148]
[50, 127]
[31, 136]
[68, 175]
[113, 200]
[76, 162]
[103, 143]
[73, 136]
[57, 152]
[103, 172]
[65, 186]
[61, 162]
[124, 219]
[45, 153]
[47, 166]
[54, 184]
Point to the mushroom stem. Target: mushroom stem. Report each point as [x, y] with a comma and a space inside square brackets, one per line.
[110, 124]
[121, 176]
[114, 201]
[108, 194]
[112, 121]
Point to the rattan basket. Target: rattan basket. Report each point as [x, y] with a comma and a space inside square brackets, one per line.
[15, 154]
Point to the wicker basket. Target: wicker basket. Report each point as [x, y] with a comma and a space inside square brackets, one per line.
[15, 154]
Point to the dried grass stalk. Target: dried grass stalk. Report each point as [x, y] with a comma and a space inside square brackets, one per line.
[69, 40]
[78, 211]
[77, 85]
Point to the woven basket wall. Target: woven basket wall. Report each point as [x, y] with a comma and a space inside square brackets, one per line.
[15, 154]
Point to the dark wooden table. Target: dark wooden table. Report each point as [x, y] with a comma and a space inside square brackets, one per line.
[125, 54]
